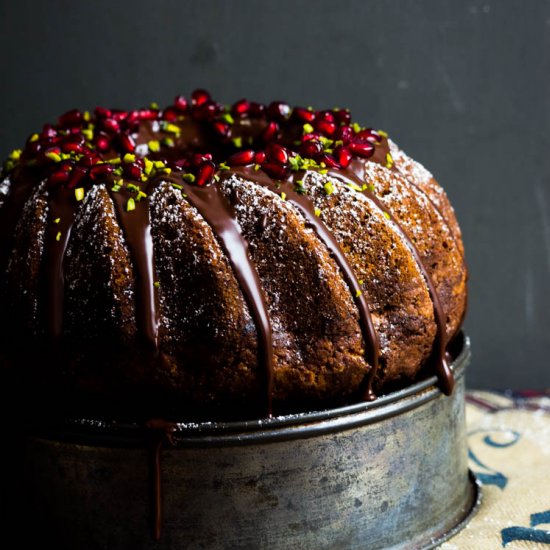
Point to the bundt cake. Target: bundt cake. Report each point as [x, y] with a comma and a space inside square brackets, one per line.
[211, 260]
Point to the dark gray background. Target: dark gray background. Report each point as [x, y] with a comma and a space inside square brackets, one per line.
[464, 87]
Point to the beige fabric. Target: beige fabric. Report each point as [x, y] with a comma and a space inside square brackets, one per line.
[509, 440]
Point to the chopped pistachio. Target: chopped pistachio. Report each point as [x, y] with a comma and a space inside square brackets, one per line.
[34, 138]
[156, 284]
[169, 142]
[79, 193]
[147, 166]
[53, 156]
[383, 134]
[317, 212]
[386, 215]
[129, 157]
[130, 205]
[58, 236]
[237, 142]
[308, 128]
[57, 220]
[283, 195]
[389, 160]
[358, 293]
[223, 166]
[88, 134]
[228, 118]
[154, 105]
[329, 188]
[257, 167]
[355, 127]
[189, 177]
[154, 145]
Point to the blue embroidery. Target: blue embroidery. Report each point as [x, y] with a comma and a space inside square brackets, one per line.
[540, 517]
[511, 534]
[491, 476]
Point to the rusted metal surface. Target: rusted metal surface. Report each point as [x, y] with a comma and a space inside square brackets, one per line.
[390, 474]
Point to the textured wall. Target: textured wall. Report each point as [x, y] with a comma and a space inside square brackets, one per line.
[462, 86]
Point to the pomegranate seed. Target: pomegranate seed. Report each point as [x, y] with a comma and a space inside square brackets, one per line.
[100, 171]
[368, 135]
[200, 97]
[180, 103]
[61, 175]
[148, 114]
[257, 110]
[77, 175]
[102, 142]
[111, 125]
[133, 170]
[325, 127]
[32, 149]
[276, 170]
[259, 157]
[132, 118]
[325, 115]
[101, 112]
[48, 132]
[198, 159]
[277, 153]
[119, 115]
[127, 143]
[344, 133]
[241, 158]
[205, 172]
[270, 132]
[342, 116]
[309, 137]
[361, 148]
[278, 110]
[71, 147]
[343, 156]
[205, 111]
[303, 115]
[70, 118]
[241, 107]
[311, 148]
[329, 160]
[222, 129]
[170, 114]
[89, 159]
[182, 163]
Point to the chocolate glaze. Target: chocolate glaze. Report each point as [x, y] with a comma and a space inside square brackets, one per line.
[306, 208]
[220, 216]
[62, 207]
[444, 373]
[137, 233]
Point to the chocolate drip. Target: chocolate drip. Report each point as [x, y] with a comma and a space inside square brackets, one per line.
[444, 373]
[307, 209]
[137, 233]
[219, 214]
[160, 432]
[62, 208]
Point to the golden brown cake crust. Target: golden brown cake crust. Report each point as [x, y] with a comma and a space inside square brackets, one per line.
[201, 260]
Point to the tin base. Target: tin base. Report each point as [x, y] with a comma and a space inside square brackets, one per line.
[392, 473]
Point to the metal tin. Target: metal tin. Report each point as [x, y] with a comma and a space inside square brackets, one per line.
[392, 473]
